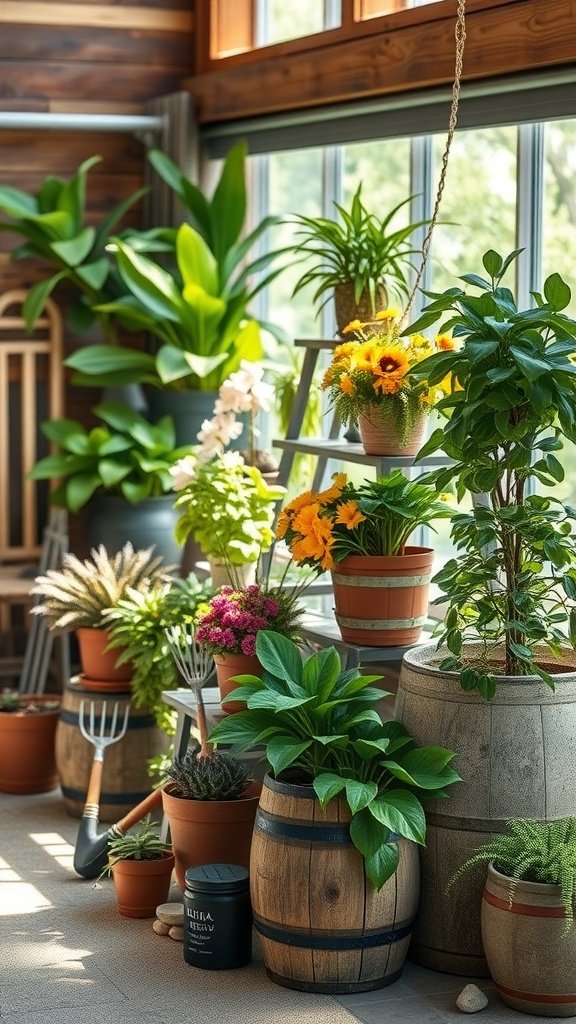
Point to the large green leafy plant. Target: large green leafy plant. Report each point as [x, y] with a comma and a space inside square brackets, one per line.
[320, 722]
[125, 454]
[513, 582]
[199, 307]
[54, 229]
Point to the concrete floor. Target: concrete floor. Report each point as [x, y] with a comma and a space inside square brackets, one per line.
[68, 957]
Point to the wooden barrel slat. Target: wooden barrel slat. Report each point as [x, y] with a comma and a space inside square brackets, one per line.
[513, 754]
[125, 779]
[322, 925]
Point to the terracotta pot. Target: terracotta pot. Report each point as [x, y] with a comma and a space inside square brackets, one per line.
[322, 926]
[531, 958]
[239, 575]
[210, 831]
[228, 666]
[98, 663]
[142, 885]
[381, 436]
[513, 753]
[380, 601]
[27, 758]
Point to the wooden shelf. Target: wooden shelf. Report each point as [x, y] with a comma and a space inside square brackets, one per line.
[328, 448]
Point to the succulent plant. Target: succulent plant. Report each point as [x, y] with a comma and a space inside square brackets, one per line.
[217, 777]
[143, 843]
[77, 594]
[12, 700]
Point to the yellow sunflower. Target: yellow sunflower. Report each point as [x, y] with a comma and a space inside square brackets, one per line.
[389, 367]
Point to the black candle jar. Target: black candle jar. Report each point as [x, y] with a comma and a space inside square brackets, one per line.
[217, 917]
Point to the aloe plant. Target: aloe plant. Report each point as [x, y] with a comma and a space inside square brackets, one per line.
[52, 223]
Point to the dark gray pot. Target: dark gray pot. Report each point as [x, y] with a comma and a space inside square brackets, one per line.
[111, 521]
[188, 409]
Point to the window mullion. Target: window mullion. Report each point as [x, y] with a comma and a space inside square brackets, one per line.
[530, 189]
[421, 188]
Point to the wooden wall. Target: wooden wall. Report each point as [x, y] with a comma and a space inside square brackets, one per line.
[84, 56]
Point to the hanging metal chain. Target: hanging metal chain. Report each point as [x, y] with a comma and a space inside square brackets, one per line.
[460, 35]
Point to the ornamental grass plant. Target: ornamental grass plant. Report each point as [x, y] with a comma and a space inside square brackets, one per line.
[375, 517]
[369, 375]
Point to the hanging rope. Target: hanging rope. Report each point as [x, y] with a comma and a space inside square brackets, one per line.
[460, 34]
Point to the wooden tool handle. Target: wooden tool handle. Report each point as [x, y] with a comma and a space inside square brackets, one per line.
[95, 783]
[140, 811]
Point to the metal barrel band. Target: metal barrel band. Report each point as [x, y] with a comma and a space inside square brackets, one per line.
[332, 941]
[373, 624]
[322, 832]
[382, 582]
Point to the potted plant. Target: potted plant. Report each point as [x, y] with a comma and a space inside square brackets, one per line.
[230, 626]
[528, 914]
[54, 229]
[357, 257]
[27, 730]
[502, 673]
[369, 382]
[141, 865]
[75, 597]
[120, 470]
[209, 798]
[360, 533]
[138, 622]
[228, 508]
[334, 867]
[197, 309]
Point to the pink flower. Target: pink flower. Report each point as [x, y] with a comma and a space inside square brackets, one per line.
[249, 645]
[270, 607]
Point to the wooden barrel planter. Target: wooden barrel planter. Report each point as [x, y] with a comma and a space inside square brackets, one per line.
[512, 756]
[531, 958]
[383, 602]
[322, 925]
[125, 780]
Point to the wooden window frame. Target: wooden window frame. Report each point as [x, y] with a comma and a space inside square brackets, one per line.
[405, 51]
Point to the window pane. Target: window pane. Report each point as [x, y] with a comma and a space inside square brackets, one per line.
[375, 8]
[478, 210]
[559, 205]
[277, 21]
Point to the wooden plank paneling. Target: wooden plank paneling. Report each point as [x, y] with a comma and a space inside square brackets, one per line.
[95, 45]
[91, 81]
[404, 54]
[30, 12]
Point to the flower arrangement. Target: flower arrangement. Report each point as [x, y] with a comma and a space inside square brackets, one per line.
[373, 518]
[371, 372]
[235, 617]
[226, 505]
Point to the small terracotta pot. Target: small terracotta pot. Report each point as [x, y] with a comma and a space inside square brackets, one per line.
[383, 601]
[228, 666]
[142, 885]
[380, 436]
[27, 757]
[210, 831]
[97, 662]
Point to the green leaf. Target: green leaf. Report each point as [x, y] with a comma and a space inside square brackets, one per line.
[75, 250]
[402, 812]
[327, 786]
[228, 207]
[382, 864]
[279, 655]
[80, 488]
[360, 794]
[35, 300]
[195, 260]
[283, 751]
[492, 263]
[321, 671]
[556, 292]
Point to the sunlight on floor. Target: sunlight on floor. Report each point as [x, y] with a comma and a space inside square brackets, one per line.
[56, 846]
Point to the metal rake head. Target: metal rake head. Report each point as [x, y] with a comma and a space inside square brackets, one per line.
[101, 730]
[192, 659]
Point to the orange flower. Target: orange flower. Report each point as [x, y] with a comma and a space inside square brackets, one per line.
[445, 342]
[315, 535]
[333, 492]
[349, 515]
[363, 356]
[282, 524]
[354, 325]
[300, 501]
[389, 368]
[327, 562]
[346, 385]
[328, 376]
[344, 350]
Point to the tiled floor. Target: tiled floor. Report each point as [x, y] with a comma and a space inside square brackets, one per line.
[67, 957]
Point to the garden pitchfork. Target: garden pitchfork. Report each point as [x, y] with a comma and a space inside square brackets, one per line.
[97, 734]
